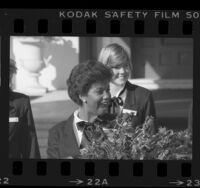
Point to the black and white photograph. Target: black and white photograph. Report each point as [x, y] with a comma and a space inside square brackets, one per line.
[120, 98]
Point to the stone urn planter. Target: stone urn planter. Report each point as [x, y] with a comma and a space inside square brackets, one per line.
[28, 52]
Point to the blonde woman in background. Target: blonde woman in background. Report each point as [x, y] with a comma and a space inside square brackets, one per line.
[131, 98]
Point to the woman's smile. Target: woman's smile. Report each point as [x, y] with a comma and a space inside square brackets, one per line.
[105, 103]
[122, 77]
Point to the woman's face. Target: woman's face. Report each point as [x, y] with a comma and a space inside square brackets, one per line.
[98, 98]
[121, 73]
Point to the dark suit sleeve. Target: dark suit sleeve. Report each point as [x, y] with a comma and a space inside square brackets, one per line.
[150, 106]
[52, 149]
[31, 147]
[149, 110]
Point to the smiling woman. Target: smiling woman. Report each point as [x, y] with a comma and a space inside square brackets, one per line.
[135, 99]
[88, 86]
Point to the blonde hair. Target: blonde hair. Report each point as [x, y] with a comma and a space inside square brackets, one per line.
[113, 54]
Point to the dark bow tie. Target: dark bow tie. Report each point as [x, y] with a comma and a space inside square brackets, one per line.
[91, 131]
[83, 124]
[115, 102]
[103, 121]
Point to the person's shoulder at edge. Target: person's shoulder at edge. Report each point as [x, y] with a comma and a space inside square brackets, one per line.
[138, 88]
[18, 96]
[62, 125]
[19, 100]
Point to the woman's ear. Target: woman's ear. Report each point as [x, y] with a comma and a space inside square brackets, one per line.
[83, 99]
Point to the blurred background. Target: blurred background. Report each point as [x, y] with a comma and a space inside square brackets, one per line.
[162, 65]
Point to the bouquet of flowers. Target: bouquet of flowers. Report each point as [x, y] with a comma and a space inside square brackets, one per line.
[119, 140]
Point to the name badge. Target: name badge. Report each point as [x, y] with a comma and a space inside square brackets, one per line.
[134, 112]
[13, 119]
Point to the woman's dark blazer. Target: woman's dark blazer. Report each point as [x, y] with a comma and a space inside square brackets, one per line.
[62, 141]
[23, 141]
[141, 100]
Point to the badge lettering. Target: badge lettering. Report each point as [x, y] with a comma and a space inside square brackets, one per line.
[13, 119]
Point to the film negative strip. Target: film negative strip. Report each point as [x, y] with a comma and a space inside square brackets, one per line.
[154, 57]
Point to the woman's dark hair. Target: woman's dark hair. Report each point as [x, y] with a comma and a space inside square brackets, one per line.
[83, 76]
[13, 68]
